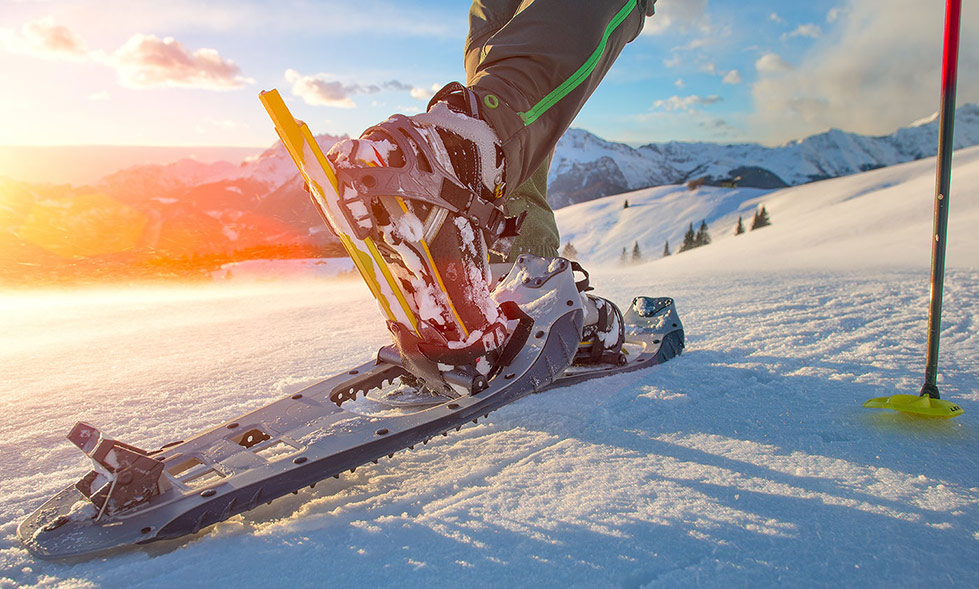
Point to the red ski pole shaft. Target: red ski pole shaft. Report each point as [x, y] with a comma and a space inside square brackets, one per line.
[950, 66]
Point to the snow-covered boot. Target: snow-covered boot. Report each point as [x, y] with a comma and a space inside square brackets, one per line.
[603, 334]
[604, 327]
[425, 192]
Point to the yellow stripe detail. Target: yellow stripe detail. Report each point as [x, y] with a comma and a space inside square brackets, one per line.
[366, 270]
[438, 276]
[294, 134]
[393, 282]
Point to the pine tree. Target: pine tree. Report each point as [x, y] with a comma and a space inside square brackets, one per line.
[702, 237]
[636, 255]
[626, 205]
[740, 228]
[625, 256]
[569, 252]
[761, 219]
[666, 248]
[688, 240]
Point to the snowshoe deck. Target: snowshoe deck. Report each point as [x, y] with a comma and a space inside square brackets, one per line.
[137, 497]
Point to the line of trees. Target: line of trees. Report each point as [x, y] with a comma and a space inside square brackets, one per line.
[691, 239]
[761, 220]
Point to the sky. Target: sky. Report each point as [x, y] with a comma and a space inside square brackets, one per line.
[135, 72]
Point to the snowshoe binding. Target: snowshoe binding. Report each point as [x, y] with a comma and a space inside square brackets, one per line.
[420, 195]
[466, 348]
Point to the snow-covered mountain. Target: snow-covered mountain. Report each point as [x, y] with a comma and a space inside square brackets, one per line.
[747, 461]
[182, 210]
[189, 209]
[586, 167]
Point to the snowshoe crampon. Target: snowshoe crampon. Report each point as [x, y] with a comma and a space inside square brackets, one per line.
[135, 497]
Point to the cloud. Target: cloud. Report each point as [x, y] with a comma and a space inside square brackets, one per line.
[808, 30]
[732, 77]
[771, 63]
[318, 90]
[425, 94]
[682, 103]
[774, 17]
[677, 15]
[45, 39]
[877, 71]
[719, 128]
[146, 61]
[833, 15]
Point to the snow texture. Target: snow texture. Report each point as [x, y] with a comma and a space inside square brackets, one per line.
[747, 461]
[585, 165]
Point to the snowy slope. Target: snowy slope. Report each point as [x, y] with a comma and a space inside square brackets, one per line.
[745, 462]
[879, 217]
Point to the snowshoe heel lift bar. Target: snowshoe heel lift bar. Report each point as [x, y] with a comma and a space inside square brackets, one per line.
[125, 476]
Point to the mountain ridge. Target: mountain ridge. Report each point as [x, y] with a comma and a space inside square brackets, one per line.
[186, 210]
[586, 166]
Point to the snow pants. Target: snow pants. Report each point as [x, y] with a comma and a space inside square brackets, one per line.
[533, 64]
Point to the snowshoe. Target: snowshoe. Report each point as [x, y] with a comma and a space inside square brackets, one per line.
[133, 496]
[528, 334]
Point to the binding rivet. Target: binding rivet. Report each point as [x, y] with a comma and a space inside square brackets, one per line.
[382, 432]
[300, 460]
[232, 425]
[208, 493]
[298, 396]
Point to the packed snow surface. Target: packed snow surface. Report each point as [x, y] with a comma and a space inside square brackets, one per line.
[748, 461]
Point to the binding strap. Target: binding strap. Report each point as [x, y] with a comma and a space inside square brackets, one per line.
[421, 178]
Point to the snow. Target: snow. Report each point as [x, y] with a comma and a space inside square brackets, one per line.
[747, 461]
[584, 163]
[270, 270]
[881, 217]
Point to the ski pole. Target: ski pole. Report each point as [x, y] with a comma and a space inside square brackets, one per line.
[942, 183]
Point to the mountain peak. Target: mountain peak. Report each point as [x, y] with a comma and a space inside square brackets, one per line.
[586, 166]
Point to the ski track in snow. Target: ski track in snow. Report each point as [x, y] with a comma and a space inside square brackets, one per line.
[747, 461]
